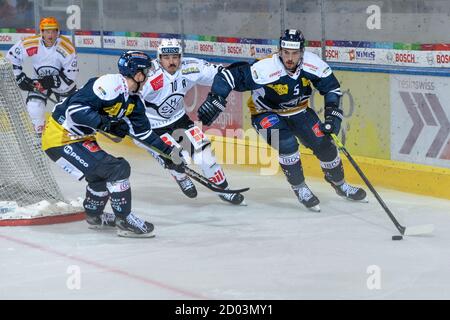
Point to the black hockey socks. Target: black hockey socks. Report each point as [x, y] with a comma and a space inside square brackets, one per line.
[96, 199]
[292, 168]
[120, 196]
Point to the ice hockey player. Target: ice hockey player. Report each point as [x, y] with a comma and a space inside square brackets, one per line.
[55, 68]
[69, 140]
[281, 87]
[164, 92]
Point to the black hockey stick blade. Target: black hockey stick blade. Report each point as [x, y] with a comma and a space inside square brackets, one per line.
[406, 231]
[192, 173]
[208, 184]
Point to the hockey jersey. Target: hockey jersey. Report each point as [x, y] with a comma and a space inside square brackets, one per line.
[58, 60]
[274, 89]
[77, 117]
[164, 93]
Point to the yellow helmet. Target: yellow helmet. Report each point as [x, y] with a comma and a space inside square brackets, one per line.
[49, 23]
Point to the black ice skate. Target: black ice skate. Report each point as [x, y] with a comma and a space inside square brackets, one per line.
[233, 198]
[306, 197]
[187, 186]
[104, 221]
[134, 227]
[349, 192]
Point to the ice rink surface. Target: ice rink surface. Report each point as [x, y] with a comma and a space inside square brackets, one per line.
[207, 249]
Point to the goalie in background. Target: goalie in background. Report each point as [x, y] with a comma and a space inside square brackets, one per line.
[69, 140]
[55, 68]
[173, 76]
[281, 88]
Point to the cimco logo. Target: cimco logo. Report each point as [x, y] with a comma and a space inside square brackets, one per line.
[69, 151]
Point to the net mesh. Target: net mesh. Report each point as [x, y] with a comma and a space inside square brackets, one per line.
[25, 176]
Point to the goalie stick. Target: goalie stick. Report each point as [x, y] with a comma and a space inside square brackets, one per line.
[405, 231]
[190, 172]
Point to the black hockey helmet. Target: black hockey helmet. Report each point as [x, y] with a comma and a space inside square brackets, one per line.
[131, 62]
[292, 39]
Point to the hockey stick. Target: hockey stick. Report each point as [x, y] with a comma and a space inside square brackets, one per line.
[407, 231]
[190, 172]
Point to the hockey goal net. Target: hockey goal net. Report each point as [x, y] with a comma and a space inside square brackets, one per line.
[29, 194]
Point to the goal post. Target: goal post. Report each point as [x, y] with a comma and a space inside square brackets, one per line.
[29, 193]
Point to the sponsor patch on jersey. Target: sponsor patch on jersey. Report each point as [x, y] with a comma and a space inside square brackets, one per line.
[326, 72]
[317, 131]
[190, 70]
[158, 82]
[61, 52]
[101, 90]
[269, 121]
[275, 74]
[305, 82]
[311, 66]
[281, 89]
[32, 51]
[92, 146]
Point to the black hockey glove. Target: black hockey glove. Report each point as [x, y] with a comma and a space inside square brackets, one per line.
[211, 108]
[117, 127]
[333, 119]
[24, 82]
[49, 82]
[176, 161]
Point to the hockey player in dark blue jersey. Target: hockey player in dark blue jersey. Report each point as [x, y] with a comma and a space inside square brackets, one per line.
[111, 104]
[281, 87]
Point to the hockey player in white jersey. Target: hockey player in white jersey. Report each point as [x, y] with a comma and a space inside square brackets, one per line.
[164, 92]
[55, 68]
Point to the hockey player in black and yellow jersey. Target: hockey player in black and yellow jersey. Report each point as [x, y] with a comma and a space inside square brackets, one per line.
[110, 103]
[281, 87]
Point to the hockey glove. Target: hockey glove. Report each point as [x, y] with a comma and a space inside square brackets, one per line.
[333, 119]
[117, 127]
[176, 161]
[49, 82]
[24, 82]
[211, 108]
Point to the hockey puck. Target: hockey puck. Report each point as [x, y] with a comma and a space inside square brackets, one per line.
[397, 238]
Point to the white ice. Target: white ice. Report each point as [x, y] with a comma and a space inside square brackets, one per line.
[207, 249]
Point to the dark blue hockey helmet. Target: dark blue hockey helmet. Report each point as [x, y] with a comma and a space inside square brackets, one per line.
[131, 62]
[292, 39]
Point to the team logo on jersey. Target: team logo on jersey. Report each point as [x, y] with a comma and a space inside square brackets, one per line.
[269, 121]
[47, 71]
[281, 89]
[170, 105]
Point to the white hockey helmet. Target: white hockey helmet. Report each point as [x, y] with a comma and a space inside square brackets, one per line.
[170, 46]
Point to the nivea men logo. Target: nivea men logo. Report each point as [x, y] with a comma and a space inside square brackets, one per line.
[69, 151]
[173, 50]
[170, 105]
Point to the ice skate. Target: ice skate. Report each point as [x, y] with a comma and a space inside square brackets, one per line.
[134, 227]
[306, 197]
[104, 221]
[187, 186]
[349, 192]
